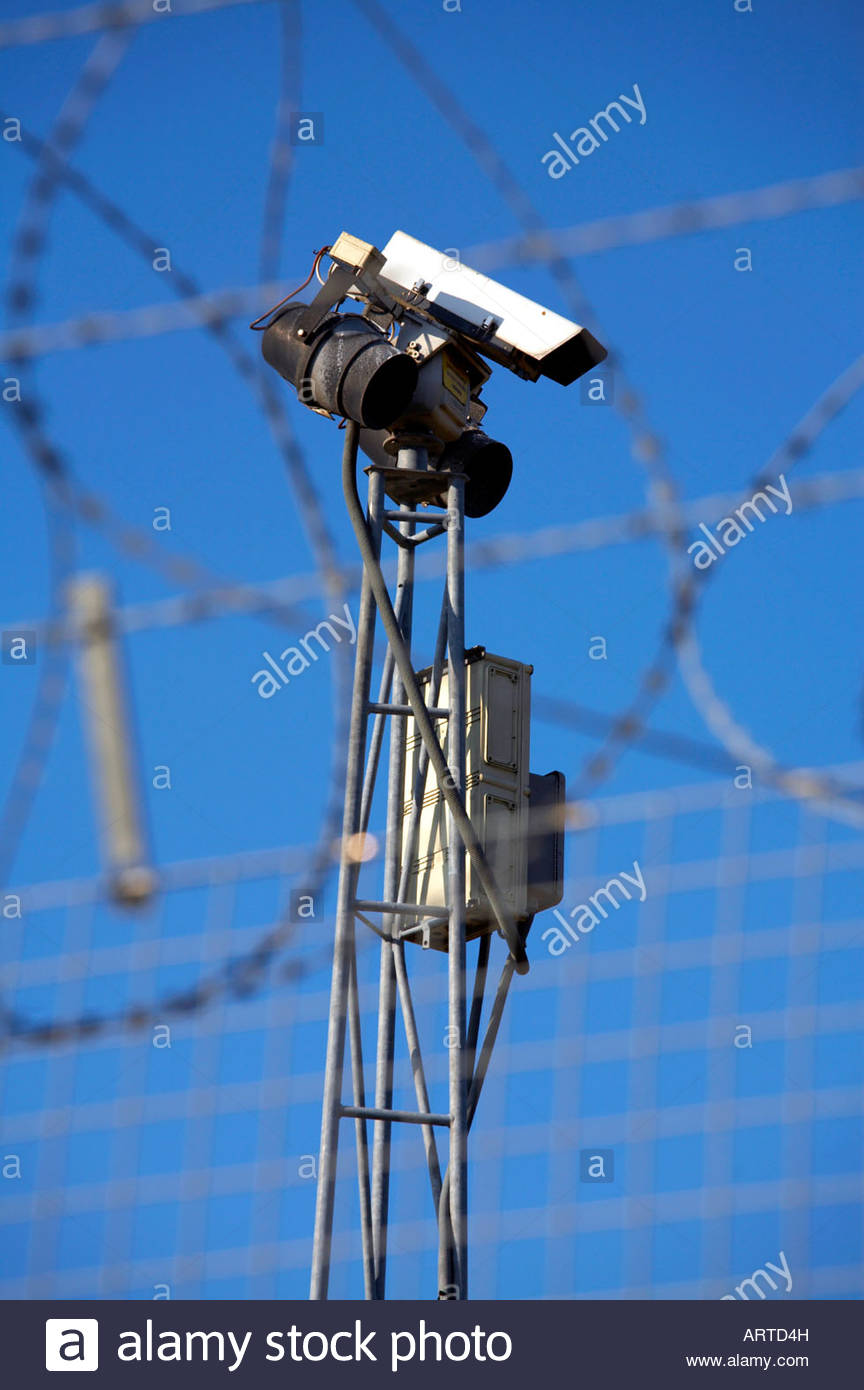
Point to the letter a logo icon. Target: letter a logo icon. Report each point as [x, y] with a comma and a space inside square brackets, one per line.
[71, 1344]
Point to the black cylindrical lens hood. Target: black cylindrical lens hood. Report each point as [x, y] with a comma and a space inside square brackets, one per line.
[287, 354]
[347, 366]
[488, 468]
[486, 463]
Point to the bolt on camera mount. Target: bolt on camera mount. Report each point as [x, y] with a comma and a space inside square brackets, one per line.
[482, 852]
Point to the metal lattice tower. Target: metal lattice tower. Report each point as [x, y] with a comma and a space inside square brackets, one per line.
[400, 700]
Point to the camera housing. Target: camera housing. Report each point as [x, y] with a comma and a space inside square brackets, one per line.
[501, 324]
[412, 365]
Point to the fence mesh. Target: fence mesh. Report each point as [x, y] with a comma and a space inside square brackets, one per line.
[674, 1100]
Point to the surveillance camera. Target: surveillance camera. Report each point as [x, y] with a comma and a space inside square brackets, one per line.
[412, 363]
[501, 324]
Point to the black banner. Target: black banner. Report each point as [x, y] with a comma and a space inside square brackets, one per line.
[483, 1344]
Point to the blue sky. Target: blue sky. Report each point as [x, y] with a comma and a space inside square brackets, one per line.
[725, 363]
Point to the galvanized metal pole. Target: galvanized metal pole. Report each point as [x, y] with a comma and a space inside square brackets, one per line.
[456, 736]
[404, 603]
[355, 1034]
[343, 949]
[402, 699]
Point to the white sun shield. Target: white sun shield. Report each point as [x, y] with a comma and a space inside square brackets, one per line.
[503, 325]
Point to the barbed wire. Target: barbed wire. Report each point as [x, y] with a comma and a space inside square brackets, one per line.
[21, 296]
[787, 197]
[234, 979]
[226, 870]
[133, 541]
[763, 204]
[278, 183]
[679, 641]
[679, 219]
[237, 978]
[497, 552]
[248, 973]
[255, 962]
[822, 789]
[89, 19]
[50, 694]
[663, 516]
[201, 310]
[718, 715]
[647, 448]
[281, 160]
[115, 218]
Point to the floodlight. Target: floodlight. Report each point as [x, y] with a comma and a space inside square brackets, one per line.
[486, 463]
[346, 367]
